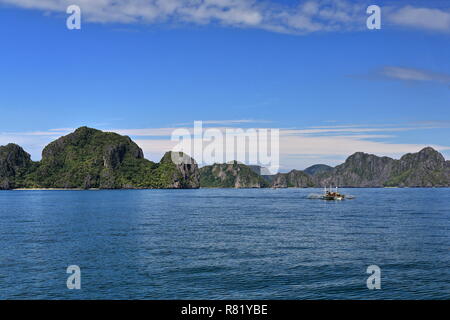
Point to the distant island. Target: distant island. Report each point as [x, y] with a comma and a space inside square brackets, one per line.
[92, 159]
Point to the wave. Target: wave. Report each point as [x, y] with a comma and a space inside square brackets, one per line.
[319, 196]
[314, 196]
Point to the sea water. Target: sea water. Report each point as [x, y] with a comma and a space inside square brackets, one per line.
[224, 244]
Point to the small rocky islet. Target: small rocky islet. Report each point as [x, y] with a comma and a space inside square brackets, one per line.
[93, 159]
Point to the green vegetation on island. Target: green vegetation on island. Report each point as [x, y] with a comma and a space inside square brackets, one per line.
[89, 158]
[317, 168]
[426, 168]
[230, 175]
[293, 179]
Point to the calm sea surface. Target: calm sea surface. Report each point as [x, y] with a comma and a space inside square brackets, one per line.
[224, 244]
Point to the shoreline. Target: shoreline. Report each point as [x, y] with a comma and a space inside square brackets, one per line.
[52, 189]
[98, 189]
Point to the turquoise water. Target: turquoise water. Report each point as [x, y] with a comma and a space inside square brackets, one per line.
[224, 244]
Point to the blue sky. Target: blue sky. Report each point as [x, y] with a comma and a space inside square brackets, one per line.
[310, 68]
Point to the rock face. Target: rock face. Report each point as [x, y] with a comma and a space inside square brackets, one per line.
[230, 175]
[447, 166]
[14, 165]
[427, 168]
[317, 169]
[293, 179]
[359, 170]
[183, 174]
[90, 158]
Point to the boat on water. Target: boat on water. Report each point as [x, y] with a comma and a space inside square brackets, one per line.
[332, 195]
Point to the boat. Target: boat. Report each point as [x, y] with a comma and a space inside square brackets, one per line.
[332, 195]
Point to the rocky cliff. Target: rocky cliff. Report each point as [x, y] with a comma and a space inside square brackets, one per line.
[426, 168]
[182, 174]
[359, 170]
[90, 158]
[293, 179]
[317, 169]
[230, 175]
[15, 163]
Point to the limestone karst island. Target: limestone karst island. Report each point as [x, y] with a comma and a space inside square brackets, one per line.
[92, 159]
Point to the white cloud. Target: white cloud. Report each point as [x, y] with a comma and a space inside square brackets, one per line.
[308, 16]
[299, 18]
[407, 75]
[228, 122]
[421, 18]
[412, 74]
[151, 132]
[345, 146]
[339, 130]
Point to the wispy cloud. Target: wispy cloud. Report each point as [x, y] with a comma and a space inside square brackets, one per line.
[330, 131]
[51, 132]
[308, 16]
[227, 122]
[296, 18]
[420, 18]
[150, 132]
[407, 75]
[412, 74]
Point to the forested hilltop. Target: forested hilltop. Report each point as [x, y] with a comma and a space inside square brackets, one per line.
[89, 158]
